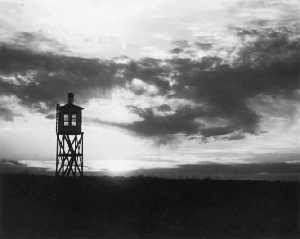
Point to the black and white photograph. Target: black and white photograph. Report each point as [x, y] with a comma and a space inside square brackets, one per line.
[150, 119]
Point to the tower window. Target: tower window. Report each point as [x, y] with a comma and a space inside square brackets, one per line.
[66, 119]
[73, 119]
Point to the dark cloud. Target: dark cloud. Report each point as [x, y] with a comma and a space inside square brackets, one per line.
[243, 168]
[8, 115]
[176, 50]
[164, 107]
[49, 77]
[216, 131]
[181, 121]
[260, 22]
[271, 49]
[37, 41]
[13, 166]
[265, 171]
[141, 129]
[181, 43]
[14, 163]
[237, 136]
[50, 116]
[149, 70]
[267, 65]
[218, 90]
[204, 46]
[242, 32]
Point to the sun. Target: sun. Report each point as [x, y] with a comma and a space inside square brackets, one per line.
[117, 166]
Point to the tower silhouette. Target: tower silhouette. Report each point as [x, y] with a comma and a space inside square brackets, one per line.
[69, 147]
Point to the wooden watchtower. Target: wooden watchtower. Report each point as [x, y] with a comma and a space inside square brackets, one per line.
[69, 148]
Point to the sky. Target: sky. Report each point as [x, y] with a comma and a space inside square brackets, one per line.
[169, 88]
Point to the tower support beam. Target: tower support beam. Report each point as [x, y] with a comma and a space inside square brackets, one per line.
[69, 155]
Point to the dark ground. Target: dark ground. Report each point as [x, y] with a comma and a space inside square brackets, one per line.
[138, 207]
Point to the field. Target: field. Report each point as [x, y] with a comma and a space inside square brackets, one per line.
[142, 207]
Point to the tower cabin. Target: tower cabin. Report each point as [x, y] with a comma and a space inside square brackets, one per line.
[68, 117]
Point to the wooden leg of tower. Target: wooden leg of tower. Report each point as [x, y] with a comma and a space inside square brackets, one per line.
[60, 159]
[81, 158]
[56, 169]
[74, 143]
[76, 157]
[64, 158]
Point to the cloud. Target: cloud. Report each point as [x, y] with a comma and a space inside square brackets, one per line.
[181, 121]
[176, 50]
[216, 131]
[164, 108]
[151, 125]
[192, 48]
[44, 78]
[50, 116]
[14, 166]
[239, 136]
[243, 168]
[217, 90]
[268, 65]
[204, 46]
[149, 70]
[255, 171]
[8, 115]
[181, 43]
[36, 41]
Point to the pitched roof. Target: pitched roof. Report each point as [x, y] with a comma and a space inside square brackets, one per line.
[71, 106]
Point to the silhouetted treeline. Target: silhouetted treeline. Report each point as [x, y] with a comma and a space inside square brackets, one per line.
[143, 207]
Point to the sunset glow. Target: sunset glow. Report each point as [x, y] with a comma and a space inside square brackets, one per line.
[164, 85]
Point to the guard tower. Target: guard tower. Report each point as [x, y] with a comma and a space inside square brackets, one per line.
[69, 148]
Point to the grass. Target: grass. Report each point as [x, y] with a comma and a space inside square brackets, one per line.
[145, 207]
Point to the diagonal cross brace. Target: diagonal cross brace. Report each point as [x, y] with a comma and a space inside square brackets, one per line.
[71, 157]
